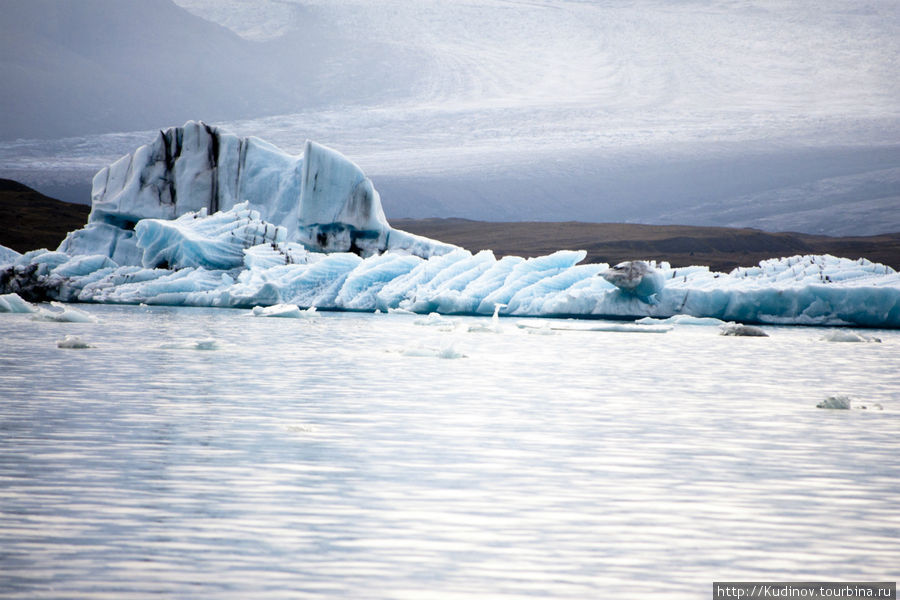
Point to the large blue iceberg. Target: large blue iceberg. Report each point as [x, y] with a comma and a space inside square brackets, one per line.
[204, 218]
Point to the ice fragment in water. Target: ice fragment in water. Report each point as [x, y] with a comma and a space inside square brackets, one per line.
[72, 341]
[66, 314]
[836, 402]
[741, 330]
[848, 336]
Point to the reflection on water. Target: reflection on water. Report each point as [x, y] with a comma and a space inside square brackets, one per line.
[328, 458]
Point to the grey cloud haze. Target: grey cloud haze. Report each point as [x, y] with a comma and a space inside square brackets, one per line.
[770, 114]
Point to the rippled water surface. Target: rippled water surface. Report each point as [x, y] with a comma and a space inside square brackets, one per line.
[207, 453]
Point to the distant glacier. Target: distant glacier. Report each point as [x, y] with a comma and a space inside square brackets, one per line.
[201, 217]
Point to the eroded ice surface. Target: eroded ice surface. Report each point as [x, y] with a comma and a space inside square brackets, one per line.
[822, 290]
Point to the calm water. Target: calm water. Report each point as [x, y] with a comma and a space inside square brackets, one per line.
[367, 456]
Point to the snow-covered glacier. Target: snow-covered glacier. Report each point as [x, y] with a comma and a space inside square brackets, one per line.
[204, 218]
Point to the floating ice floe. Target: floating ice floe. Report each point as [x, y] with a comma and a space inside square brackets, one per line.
[73, 342]
[289, 311]
[741, 330]
[64, 314]
[204, 218]
[840, 335]
[204, 344]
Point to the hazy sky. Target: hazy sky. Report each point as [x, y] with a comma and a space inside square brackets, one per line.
[707, 110]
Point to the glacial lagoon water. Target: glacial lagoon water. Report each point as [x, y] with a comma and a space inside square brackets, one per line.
[207, 453]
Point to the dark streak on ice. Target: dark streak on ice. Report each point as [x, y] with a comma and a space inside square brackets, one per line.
[213, 161]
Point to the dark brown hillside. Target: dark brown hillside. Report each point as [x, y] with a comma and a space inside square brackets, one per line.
[31, 220]
[721, 248]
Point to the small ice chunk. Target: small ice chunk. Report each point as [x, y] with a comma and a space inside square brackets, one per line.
[741, 330]
[608, 327]
[72, 341]
[842, 335]
[289, 311]
[873, 406]
[836, 402]
[209, 344]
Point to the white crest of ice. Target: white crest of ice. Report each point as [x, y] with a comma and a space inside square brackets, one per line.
[8, 255]
[200, 240]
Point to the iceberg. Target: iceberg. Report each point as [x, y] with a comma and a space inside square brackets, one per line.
[321, 199]
[203, 218]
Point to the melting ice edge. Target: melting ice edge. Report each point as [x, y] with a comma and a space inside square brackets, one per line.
[201, 217]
